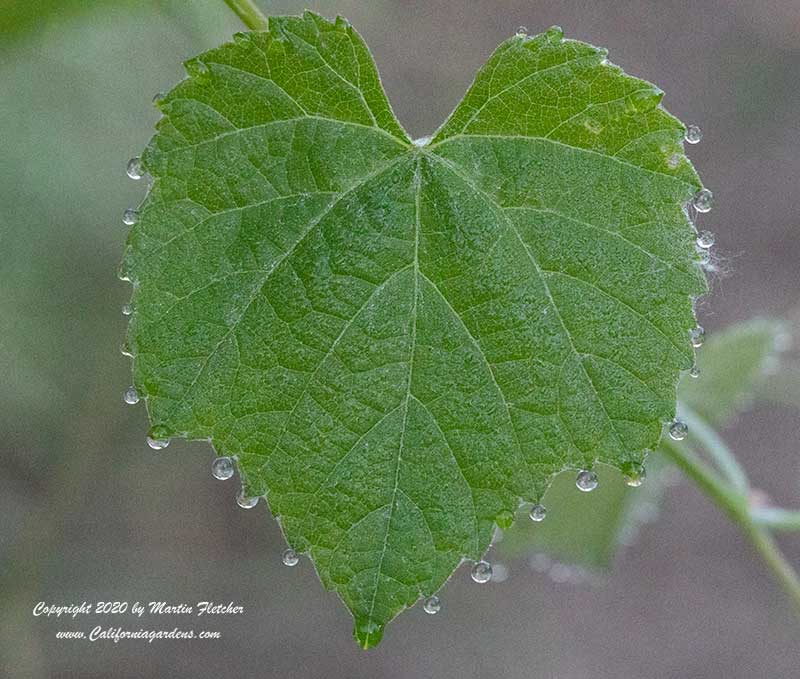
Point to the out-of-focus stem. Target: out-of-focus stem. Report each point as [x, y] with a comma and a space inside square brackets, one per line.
[716, 448]
[736, 504]
[250, 15]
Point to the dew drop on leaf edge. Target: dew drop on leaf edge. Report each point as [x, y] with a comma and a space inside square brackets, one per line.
[697, 336]
[705, 240]
[130, 396]
[157, 443]
[432, 605]
[538, 513]
[130, 217]
[134, 168]
[222, 468]
[127, 309]
[703, 200]
[634, 474]
[290, 557]
[481, 572]
[678, 430]
[693, 134]
[586, 481]
[246, 502]
[694, 372]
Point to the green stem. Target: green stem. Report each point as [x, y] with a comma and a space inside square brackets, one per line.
[708, 481]
[711, 442]
[736, 505]
[250, 15]
[765, 544]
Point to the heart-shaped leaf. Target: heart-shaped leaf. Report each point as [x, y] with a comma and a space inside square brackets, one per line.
[400, 341]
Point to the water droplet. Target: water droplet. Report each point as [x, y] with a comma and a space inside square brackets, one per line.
[678, 430]
[130, 396]
[481, 572]
[222, 468]
[694, 372]
[134, 169]
[586, 481]
[673, 161]
[554, 33]
[703, 200]
[157, 444]
[504, 519]
[705, 240]
[125, 350]
[538, 513]
[421, 141]
[158, 97]
[290, 558]
[246, 502]
[693, 134]
[130, 217]
[634, 474]
[127, 309]
[432, 605]
[697, 336]
[522, 31]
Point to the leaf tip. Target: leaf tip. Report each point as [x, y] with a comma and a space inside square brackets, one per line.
[368, 633]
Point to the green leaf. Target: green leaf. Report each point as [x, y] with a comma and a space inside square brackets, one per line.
[586, 529]
[400, 342]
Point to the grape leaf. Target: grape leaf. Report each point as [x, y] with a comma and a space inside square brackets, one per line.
[401, 341]
[585, 529]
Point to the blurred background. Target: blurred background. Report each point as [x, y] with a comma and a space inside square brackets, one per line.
[90, 513]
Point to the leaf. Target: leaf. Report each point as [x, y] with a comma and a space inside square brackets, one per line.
[586, 529]
[400, 342]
